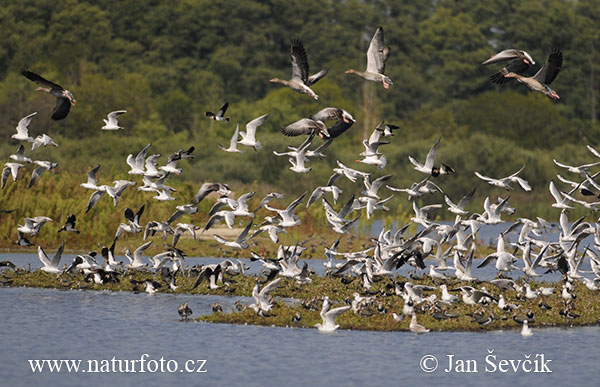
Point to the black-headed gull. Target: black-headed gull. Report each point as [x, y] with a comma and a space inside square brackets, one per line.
[112, 122]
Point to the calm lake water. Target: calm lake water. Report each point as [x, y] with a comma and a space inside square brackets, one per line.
[90, 325]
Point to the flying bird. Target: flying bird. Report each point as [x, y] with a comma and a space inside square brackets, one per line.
[377, 55]
[112, 122]
[64, 98]
[301, 81]
[220, 116]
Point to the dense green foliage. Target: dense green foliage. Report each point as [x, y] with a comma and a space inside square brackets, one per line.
[167, 62]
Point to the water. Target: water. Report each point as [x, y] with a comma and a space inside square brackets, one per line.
[59, 324]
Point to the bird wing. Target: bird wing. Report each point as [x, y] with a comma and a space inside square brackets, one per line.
[329, 113]
[92, 175]
[94, 199]
[300, 68]
[23, 123]
[40, 80]
[234, 138]
[255, 123]
[58, 254]
[465, 200]
[269, 288]
[303, 126]
[222, 110]
[339, 127]
[489, 179]
[43, 257]
[378, 53]
[316, 77]
[61, 109]
[431, 154]
[554, 191]
[244, 234]
[137, 254]
[551, 68]
[112, 116]
[506, 55]
[35, 175]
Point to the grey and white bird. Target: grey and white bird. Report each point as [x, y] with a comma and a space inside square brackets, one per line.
[23, 130]
[459, 208]
[249, 136]
[92, 181]
[10, 169]
[351, 174]
[137, 163]
[233, 148]
[239, 242]
[135, 259]
[44, 140]
[19, 155]
[51, 266]
[506, 181]
[328, 316]
[581, 169]
[112, 121]
[220, 115]
[429, 168]
[262, 297]
[559, 200]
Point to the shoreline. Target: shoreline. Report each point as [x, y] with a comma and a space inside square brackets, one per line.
[375, 316]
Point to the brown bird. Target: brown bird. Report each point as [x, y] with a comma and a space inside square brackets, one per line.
[64, 98]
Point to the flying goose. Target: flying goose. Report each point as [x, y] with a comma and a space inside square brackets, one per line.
[519, 61]
[64, 98]
[540, 81]
[377, 55]
[301, 81]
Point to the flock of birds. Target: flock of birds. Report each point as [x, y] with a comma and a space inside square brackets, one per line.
[439, 242]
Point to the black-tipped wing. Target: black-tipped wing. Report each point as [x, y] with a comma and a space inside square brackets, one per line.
[551, 68]
[300, 67]
[61, 109]
[40, 80]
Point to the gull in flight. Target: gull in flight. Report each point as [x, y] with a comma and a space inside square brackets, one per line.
[262, 297]
[582, 169]
[33, 225]
[233, 143]
[220, 116]
[51, 266]
[19, 156]
[329, 315]
[43, 166]
[92, 181]
[505, 181]
[459, 209]
[239, 242]
[249, 136]
[135, 260]
[112, 122]
[330, 187]
[298, 162]
[44, 140]
[10, 169]
[429, 168]
[351, 174]
[22, 130]
[560, 201]
[137, 163]
[288, 218]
